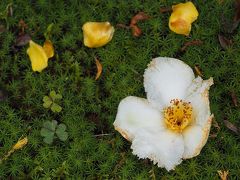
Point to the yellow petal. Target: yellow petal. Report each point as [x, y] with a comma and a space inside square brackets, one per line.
[48, 48]
[97, 34]
[183, 15]
[38, 56]
[20, 144]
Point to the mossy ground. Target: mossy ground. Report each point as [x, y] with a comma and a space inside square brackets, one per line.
[89, 106]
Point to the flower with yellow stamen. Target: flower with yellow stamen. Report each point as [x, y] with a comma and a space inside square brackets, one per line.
[173, 123]
[97, 34]
[183, 15]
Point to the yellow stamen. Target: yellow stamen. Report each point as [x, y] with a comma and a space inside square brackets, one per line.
[178, 115]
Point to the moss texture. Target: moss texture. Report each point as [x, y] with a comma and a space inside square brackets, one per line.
[89, 106]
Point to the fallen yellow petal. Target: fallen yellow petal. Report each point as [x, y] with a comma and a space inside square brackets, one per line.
[183, 15]
[20, 144]
[38, 56]
[97, 34]
[99, 69]
[48, 48]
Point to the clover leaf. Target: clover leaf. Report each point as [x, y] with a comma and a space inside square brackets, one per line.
[51, 130]
[50, 101]
[56, 108]
[61, 132]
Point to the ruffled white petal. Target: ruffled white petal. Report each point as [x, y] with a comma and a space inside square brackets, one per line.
[195, 137]
[135, 114]
[164, 148]
[166, 79]
[198, 96]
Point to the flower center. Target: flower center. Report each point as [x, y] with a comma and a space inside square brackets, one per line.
[178, 115]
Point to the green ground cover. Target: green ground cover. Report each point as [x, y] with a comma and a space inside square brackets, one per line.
[89, 106]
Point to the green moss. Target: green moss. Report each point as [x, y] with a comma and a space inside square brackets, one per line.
[89, 106]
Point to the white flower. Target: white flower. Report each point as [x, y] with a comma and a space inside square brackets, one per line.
[173, 123]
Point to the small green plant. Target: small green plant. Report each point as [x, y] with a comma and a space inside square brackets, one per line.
[51, 101]
[51, 130]
[61, 171]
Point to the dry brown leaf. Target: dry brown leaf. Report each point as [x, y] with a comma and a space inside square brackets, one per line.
[22, 26]
[139, 17]
[99, 69]
[234, 98]
[198, 70]
[191, 43]
[232, 127]
[224, 42]
[136, 31]
[223, 174]
[22, 40]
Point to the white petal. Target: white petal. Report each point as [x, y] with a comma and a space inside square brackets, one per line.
[195, 137]
[134, 114]
[166, 79]
[164, 148]
[198, 96]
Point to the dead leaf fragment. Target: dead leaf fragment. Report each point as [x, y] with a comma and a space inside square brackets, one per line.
[232, 127]
[139, 17]
[22, 26]
[223, 174]
[234, 98]
[165, 9]
[191, 43]
[215, 124]
[99, 69]
[224, 42]
[22, 40]
[198, 70]
[136, 31]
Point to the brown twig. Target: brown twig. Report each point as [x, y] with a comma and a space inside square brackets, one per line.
[101, 135]
[165, 9]
[123, 26]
